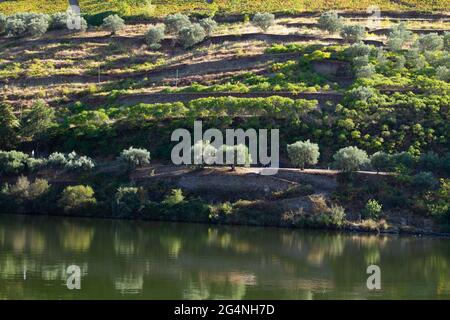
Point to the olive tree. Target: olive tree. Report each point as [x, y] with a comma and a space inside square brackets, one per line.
[236, 155]
[203, 153]
[2, 23]
[135, 157]
[191, 35]
[263, 20]
[154, 35]
[9, 125]
[353, 33]
[176, 22]
[350, 159]
[37, 121]
[330, 22]
[446, 40]
[113, 23]
[15, 26]
[59, 21]
[77, 198]
[38, 25]
[398, 37]
[303, 152]
[443, 73]
[430, 42]
[209, 24]
[381, 161]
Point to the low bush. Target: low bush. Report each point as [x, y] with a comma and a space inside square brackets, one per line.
[303, 152]
[113, 23]
[209, 25]
[353, 33]
[154, 35]
[263, 20]
[176, 22]
[191, 35]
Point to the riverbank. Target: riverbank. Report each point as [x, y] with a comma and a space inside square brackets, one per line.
[312, 199]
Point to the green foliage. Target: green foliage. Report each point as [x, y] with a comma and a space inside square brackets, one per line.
[353, 33]
[443, 73]
[71, 161]
[425, 181]
[12, 162]
[176, 22]
[381, 161]
[127, 201]
[23, 190]
[154, 35]
[175, 197]
[9, 125]
[209, 25]
[59, 21]
[191, 35]
[2, 23]
[398, 37]
[38, 25]
[438, 202]
[330, 22]
[350, 159]
[337, 215]
[237, 155]
[203, 153]
[430, 42]
[113, 23]
[263, 20]
[36, 123]
[372, 209]
[303, 152]
[135, 157]
[77, 199]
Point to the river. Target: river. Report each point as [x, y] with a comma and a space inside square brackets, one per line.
[156, 260]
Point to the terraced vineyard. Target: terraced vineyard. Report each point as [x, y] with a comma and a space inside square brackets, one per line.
[383, 88]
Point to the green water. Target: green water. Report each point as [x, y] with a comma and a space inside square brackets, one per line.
[146, 260]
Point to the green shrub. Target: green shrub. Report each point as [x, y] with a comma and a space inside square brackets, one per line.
[367, 71]
[238, 155]
[176, 22]
[77, 198]
[372, 210]
[398, 37]
[350, 159]
[338, 215]
[23, 190]
[424, 181]
[38, 26]
[154, 35]
[71, 161]
[263, 20]
[113, 23]
[126, 202]
[2, 23]
[447, 41]
[361, 93]
[443, 73]
[303, 152]
[59, 21]
[353, 33]
[203, 153]
[381, 161]
[135, 157]
[190, 36]
[176, 197]
[9, 125]
[37, 121]
[358, 50]
[430, 42]
[330, 22]
[209, 25]
[15, 26]
[12, 162]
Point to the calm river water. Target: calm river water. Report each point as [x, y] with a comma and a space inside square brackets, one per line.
[148, 260]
